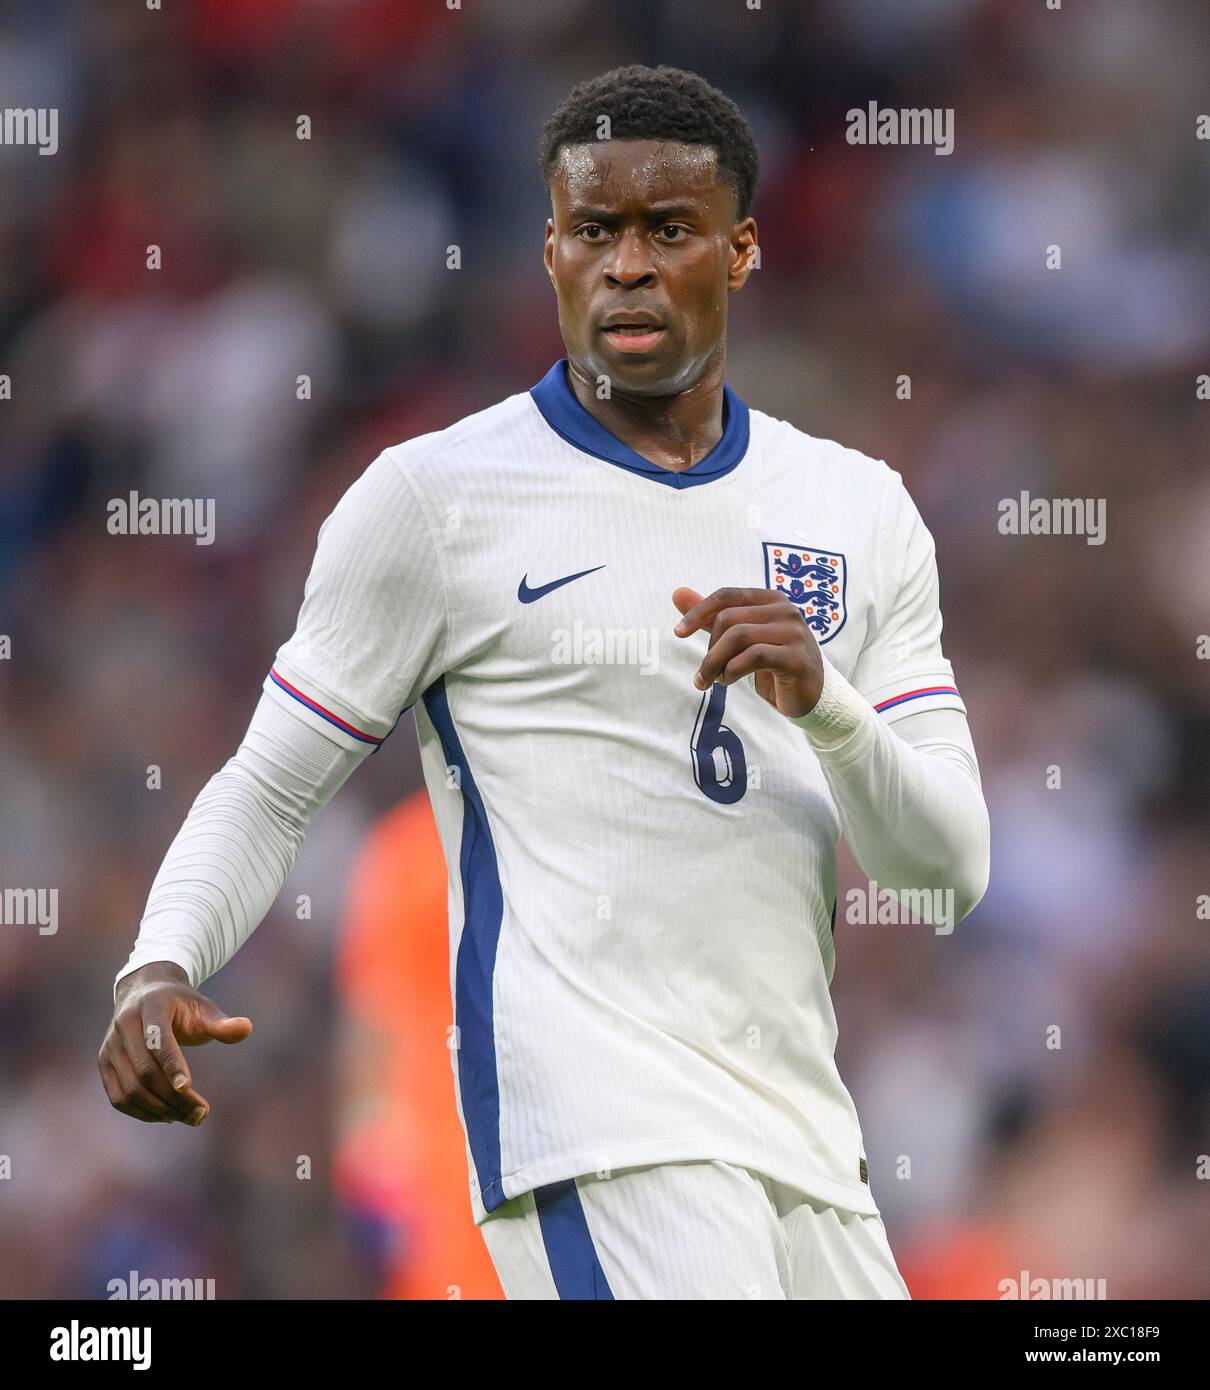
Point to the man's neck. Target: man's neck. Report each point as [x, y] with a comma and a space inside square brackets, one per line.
[674, 432]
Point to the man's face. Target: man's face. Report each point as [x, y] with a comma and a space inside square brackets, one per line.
[642, 248]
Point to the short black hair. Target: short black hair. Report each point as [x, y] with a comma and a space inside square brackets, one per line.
[661, 103]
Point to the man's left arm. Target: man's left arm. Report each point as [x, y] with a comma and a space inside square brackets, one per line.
[894, 745]
[909, 795]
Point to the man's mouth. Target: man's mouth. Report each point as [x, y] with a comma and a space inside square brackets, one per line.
[633, 335]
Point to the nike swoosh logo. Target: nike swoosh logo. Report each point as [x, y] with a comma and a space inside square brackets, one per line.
[528, 595]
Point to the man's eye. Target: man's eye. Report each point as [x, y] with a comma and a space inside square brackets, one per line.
[591, 231]
[672, 232]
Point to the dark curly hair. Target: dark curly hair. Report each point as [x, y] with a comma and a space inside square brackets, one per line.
[657, 104]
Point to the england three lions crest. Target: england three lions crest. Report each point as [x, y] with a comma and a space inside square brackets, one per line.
[814, 581]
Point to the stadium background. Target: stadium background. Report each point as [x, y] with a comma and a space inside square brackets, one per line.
[328, 257]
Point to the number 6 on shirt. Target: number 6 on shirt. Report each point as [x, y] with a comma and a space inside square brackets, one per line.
[711, 735]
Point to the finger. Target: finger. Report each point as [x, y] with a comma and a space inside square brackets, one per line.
[765, 686]
[729, 644]
[132, 1030]
[137, 1100]
[109, 1079]
[233, 1030]
[118, 1098]
[761, 656]
[750, 613]
[200, 1021]
[735, 640]
[685, 598]
[161, 1044]
[702, 614]
[753, 614]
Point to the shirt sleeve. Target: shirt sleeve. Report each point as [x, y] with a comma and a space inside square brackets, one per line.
[901, 669]
[909, 799]
[229, 860]
[372, 629]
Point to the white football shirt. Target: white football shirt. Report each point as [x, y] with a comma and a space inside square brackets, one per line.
[642, 876]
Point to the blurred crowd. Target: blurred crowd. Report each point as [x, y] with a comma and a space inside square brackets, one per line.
[1034, 1089]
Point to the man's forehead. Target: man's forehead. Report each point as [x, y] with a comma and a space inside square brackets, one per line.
[651, 170]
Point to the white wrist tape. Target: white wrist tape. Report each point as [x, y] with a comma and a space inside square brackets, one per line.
[838, 714]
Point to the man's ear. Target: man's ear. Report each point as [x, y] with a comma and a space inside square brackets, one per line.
[548, 251]
[745, 252]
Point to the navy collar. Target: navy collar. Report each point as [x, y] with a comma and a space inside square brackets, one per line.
[567, 417]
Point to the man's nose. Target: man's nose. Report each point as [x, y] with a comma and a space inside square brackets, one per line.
[630, 266]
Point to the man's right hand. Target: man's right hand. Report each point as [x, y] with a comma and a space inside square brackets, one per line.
[156, 1013]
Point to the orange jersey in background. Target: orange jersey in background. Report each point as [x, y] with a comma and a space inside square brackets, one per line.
[402, 1153]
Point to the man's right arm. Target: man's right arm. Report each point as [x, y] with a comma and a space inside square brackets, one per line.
[239, 842]
[220, 876]
[371, 635]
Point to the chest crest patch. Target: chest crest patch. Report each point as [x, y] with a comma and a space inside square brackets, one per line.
[813, 580]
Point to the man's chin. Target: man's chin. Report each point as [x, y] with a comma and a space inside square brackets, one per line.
[637, 373]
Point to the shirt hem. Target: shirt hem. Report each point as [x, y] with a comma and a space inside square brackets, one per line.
[855, 1197]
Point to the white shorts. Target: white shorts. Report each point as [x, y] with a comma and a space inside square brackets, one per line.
[703, 1230]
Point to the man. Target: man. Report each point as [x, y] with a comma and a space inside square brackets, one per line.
[641, 840]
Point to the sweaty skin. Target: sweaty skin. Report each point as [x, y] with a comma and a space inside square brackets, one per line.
[645, 231]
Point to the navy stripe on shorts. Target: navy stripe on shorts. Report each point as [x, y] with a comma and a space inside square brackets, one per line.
[573, 1258]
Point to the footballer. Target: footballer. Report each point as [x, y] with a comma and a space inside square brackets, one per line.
[641, 849]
